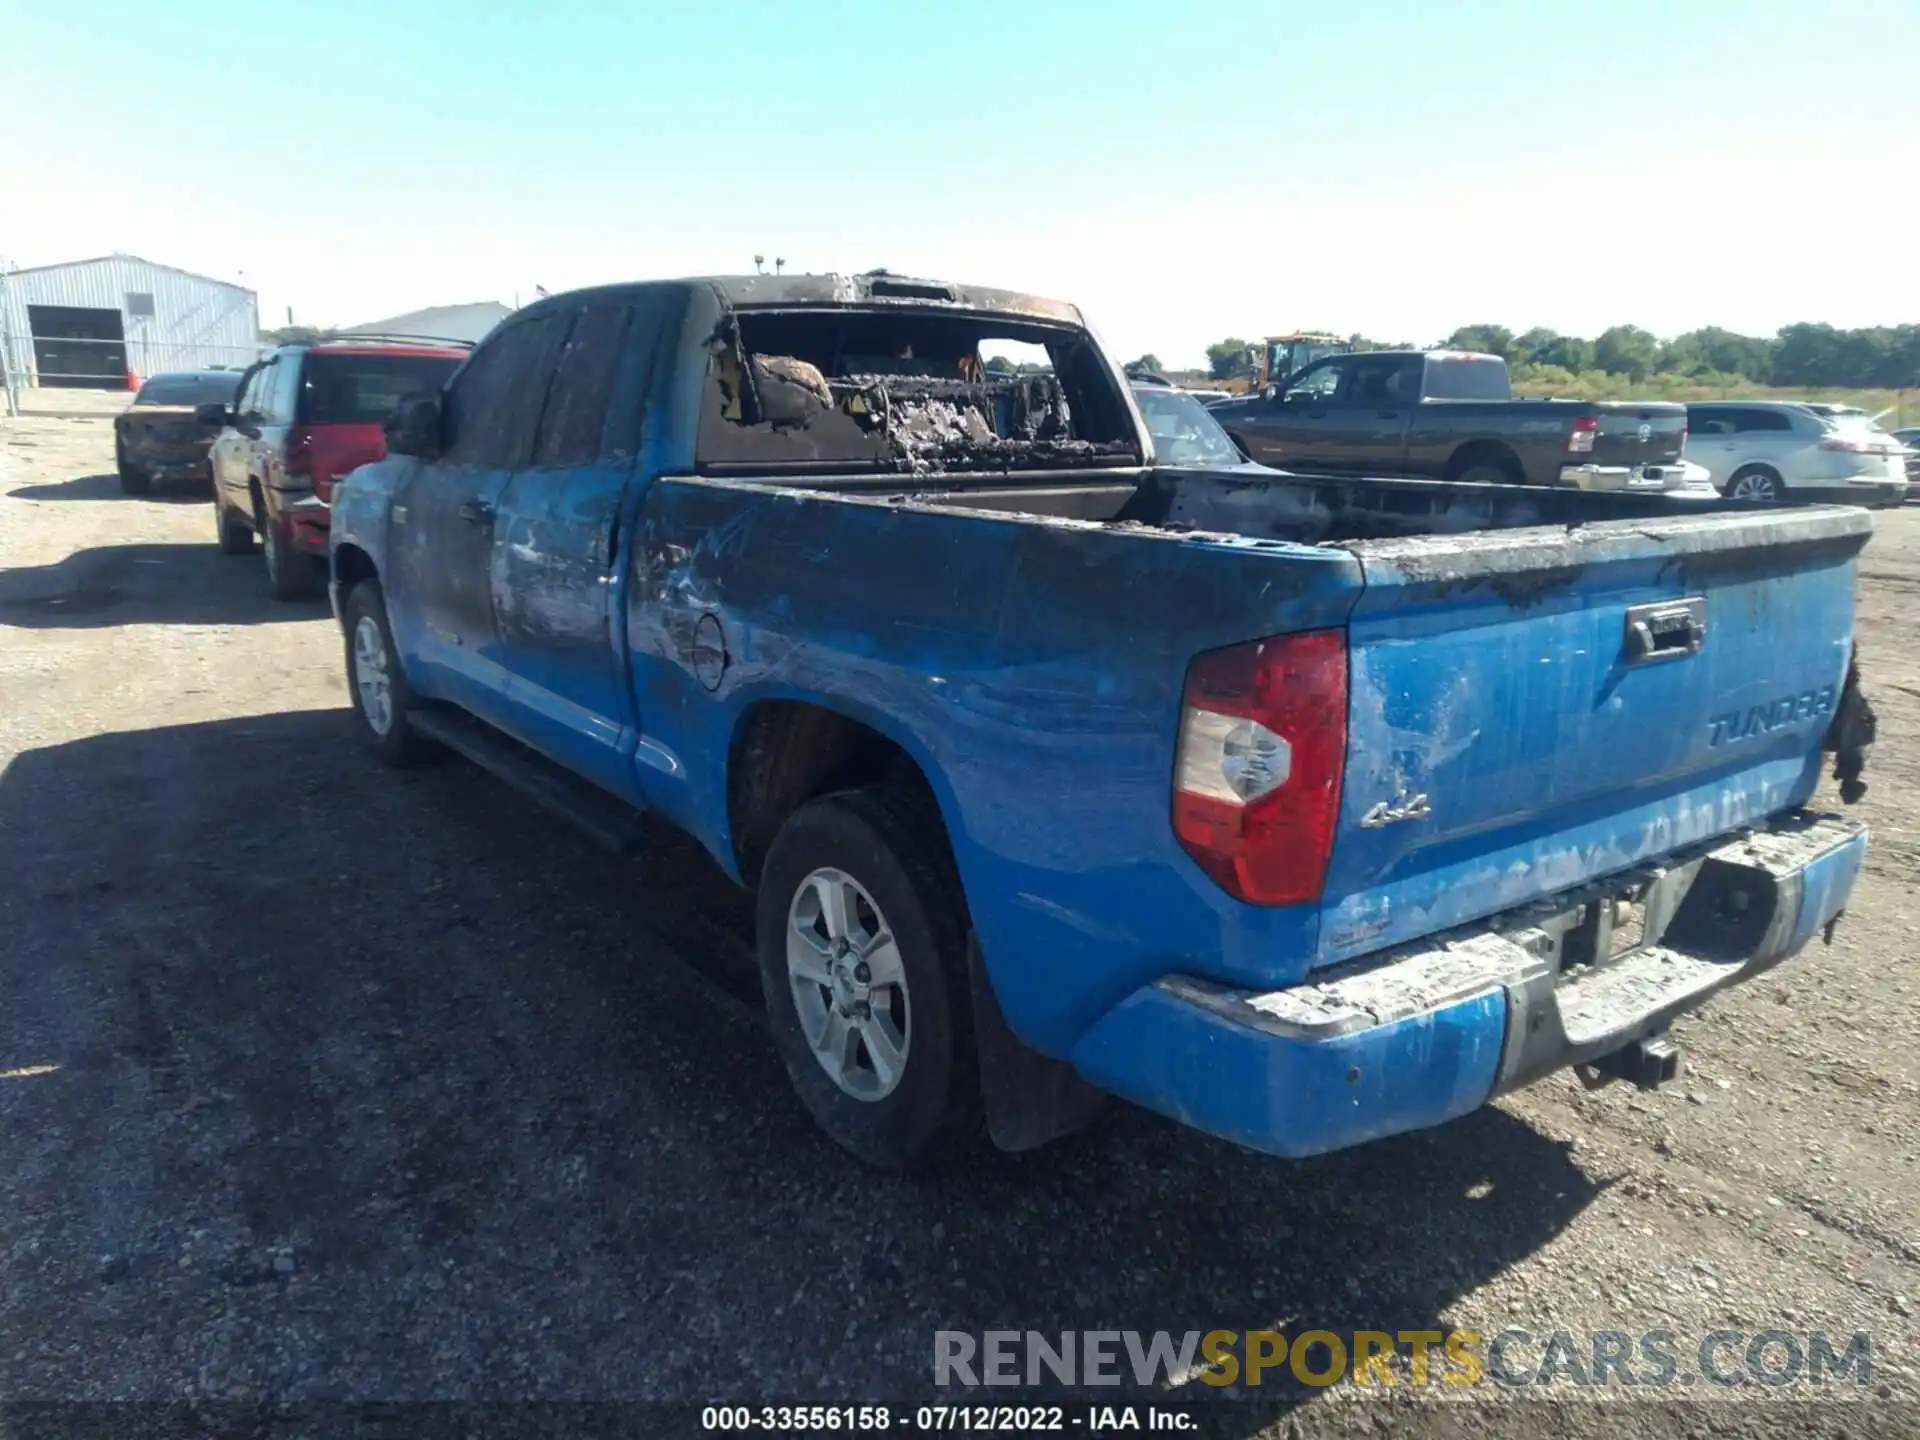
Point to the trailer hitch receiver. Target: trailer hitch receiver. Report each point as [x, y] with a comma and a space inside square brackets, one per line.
[1648, 1063]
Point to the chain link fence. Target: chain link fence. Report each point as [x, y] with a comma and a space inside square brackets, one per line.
[77, 363]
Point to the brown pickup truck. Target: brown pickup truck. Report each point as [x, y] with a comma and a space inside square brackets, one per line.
[157, 438]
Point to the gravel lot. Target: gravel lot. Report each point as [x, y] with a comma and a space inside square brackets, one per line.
[318, 1081]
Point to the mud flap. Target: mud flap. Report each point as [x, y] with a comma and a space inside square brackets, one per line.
[1850, 733]
[1029, 1098]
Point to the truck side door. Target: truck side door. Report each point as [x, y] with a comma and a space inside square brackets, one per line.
[1293, 430]
[227, 454]
[441, 523]
[1711, 432]
[556, 547]
[1365, 430]
[256, 434]
[1770, 436]
[267, 444]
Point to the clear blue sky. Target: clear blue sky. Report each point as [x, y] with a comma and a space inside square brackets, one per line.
[1182, 170]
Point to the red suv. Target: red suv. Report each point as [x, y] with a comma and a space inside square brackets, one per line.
[304, 416]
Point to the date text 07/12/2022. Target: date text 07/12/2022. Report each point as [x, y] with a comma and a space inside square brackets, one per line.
[947, 1419]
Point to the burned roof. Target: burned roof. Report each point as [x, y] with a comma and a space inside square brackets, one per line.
[875, 287]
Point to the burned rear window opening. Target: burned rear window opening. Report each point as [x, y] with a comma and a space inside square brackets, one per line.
[903, 391]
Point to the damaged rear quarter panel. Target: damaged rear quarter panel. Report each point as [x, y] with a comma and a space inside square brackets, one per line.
[359, 516]
[1032, 667]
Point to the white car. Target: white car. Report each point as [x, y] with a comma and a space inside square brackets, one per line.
[1775, 450]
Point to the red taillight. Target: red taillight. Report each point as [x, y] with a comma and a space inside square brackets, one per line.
[1857, 447]
[1263, 740]
[1581, 437]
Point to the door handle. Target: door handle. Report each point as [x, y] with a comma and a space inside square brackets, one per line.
[1389, 414]
[476, 512]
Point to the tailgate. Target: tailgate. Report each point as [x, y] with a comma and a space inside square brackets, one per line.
[1535, 708]
[338, 450]
[1633, 435]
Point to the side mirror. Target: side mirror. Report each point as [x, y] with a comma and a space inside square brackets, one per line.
[414, 427]
[210, 414]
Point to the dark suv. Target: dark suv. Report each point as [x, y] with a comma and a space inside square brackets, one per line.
[304, 417]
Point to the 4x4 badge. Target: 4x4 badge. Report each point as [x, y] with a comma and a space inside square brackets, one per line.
[1391, 812]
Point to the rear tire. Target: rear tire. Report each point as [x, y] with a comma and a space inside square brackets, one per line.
[867, 996]
[1758, 483]
[234, 535]
[291, 574]
[376, 679]
[133, 480]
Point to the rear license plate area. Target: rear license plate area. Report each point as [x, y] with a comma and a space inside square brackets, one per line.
[1629, 929]
[1604, 930]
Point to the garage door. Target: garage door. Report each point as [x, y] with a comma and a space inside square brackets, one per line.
[77, 347]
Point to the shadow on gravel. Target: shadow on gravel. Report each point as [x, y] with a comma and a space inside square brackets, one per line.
[107, 487]
[160, 584]
[420, 1094]
[85, 487]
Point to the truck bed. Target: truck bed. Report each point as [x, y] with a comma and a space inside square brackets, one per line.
[1301, 509]
[1032, 633]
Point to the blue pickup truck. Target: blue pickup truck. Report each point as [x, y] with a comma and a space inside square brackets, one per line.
[1302, 810]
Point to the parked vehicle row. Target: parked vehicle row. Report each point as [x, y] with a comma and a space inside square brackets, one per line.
[304, 416]
[271, 441]
[1451, 415]
[1068, 753]
[1185, 433]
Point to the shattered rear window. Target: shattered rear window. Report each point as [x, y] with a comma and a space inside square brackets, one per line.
[905, 391]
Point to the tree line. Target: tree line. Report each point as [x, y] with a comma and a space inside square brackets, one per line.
[1879, 357]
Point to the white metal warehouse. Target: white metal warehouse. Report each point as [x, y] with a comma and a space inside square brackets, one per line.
[107, 323]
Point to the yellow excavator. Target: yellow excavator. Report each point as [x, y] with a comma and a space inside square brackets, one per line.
[1278, 356]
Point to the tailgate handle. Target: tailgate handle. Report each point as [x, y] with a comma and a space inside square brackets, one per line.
[1666, 630]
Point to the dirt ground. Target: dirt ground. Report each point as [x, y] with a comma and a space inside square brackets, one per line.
[320, 1081]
